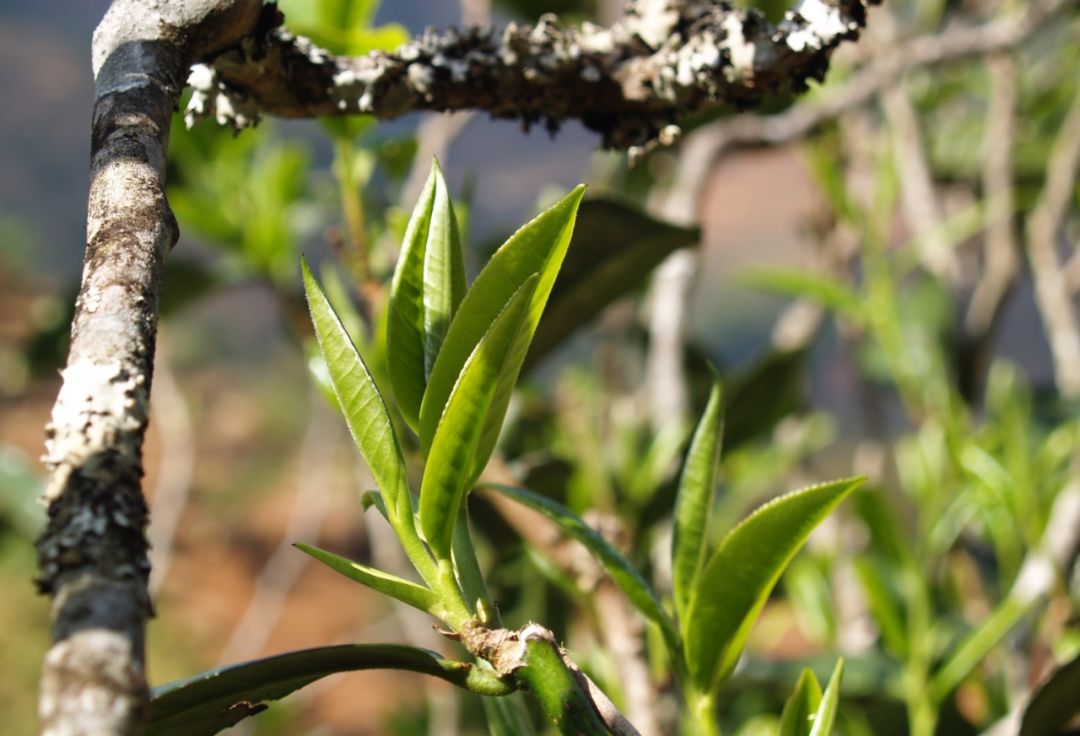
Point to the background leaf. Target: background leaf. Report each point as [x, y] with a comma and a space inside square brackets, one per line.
[737, 580]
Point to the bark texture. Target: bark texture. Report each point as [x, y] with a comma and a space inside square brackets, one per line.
[631, 82]
[93, 552]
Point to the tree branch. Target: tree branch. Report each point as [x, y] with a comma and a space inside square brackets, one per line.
[93, 553]
[956, 43]
[628, 82]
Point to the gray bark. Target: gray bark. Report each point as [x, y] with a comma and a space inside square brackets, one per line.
[93, 552]
[630, 82]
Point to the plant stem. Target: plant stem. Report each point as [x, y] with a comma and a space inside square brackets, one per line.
[557, 691]
[703, 720]
[352, 207]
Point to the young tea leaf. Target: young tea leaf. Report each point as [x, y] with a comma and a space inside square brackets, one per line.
[415, 595]
[361, 403]
[454, 450]
[737, 579]
[800, 708]
[693, 504]
[614, 249]
[830, 703]
[213, 701]
[427, 288]
[618, 567]
[538, 249]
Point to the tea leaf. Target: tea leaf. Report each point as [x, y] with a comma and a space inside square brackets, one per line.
[830, 702]
[693, 504]
[737, 579]
[455, 452]
[799, 710]
[415, 595]
[538, 248]
[361, 403]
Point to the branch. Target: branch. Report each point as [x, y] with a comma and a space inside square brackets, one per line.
[93, 553]
[1044, 227]
[628, 82]
[956, 43]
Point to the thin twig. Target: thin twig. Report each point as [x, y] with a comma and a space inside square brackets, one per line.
[1044, 228]
[1001, 259]
[954, 44]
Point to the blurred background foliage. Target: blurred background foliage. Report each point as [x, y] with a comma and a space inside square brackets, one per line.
[870, 287]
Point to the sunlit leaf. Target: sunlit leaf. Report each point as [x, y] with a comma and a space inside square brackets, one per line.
[415, 595]
[614, 249]
[830, 704]
[213, 701]
[797, 716]
[693, 504]
[455, 450]
[618, 567]
[537, 249]
[737, 579]
[361, 403]
[427, 288]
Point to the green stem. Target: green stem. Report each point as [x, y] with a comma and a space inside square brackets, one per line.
[703, 721]
[352, 208]
[556, 689]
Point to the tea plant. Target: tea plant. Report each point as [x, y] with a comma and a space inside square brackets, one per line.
[454, 355]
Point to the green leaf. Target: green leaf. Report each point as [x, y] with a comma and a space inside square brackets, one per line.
[427, 288]
[737, 580]
[538, 248]
[800, 708]
[614, 249]
[618, 567]
[1055, 704]
[831, 293]
[693, 504]
[415, 595]
[361, 403]
[213, 701]
[455, 451]
[830, 702]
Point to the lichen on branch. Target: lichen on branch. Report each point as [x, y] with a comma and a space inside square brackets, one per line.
[630, 82]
